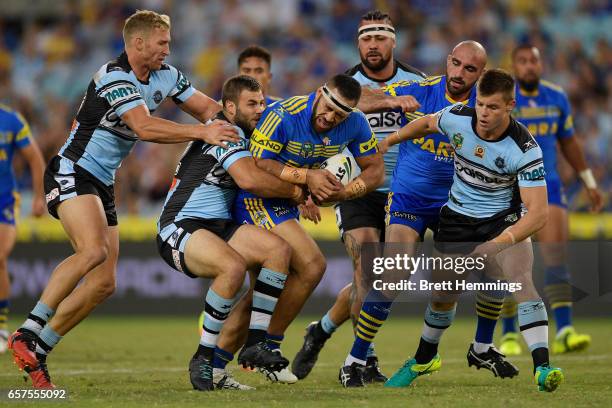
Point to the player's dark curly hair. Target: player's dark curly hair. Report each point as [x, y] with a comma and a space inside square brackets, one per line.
[496, 81]
[257, 52]
[233, 87]
[347, 86]
[377, 15]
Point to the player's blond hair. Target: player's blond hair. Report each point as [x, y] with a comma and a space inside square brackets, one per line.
[142, 22]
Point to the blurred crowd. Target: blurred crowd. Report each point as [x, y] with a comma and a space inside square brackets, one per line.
[48, 54]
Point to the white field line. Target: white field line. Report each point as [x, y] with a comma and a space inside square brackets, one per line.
[87, 371]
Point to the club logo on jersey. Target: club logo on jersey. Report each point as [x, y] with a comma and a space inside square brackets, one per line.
[457, 141]
[479, 151]
[157, 97]
[307, 150]
[500, 163]
[326, 141]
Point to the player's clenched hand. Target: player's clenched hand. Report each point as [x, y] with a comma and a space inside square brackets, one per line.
[310, 211]
[407, 103]
[596, 199]
[322, 184]
[38, 206]
[219, 133]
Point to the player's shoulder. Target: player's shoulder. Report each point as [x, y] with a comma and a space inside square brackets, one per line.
[117, 69]
[354, 70]
[290, 106]
[7, 110]
[409, 69]
[551, 87]
[521, 137]
[431, 81]
[460, 109]
[10, 115]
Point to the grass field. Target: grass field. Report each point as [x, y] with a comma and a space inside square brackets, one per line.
[142, 361]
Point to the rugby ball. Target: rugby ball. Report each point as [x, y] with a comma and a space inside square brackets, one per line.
[343, 166]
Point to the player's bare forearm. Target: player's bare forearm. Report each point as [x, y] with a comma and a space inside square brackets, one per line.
[271, 166]
[414, 130]
[372, 171]
[158, 130]
[200, 106]
[573, 153]
[36, 163]
[535, 200]
[374, 100]
[255, 180]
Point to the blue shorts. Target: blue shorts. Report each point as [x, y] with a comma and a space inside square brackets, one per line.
[9, 206]
[556, 193]
[401, 209]
[264, 212]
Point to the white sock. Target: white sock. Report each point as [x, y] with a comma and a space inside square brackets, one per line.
[481, 347]
[350, 360]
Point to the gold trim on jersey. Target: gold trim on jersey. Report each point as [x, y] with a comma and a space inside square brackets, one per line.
[369, 145]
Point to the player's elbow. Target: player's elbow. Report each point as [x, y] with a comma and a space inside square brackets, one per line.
[247, 182]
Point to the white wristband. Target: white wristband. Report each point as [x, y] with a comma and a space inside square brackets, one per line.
[588, 179]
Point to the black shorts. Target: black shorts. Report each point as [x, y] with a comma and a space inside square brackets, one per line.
[64, 180]
[366, 211]
[172, 250]
[460, 234]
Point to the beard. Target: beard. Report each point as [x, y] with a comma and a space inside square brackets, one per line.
[379, 66]
[243, 123]
[529, 85]
[464, 88]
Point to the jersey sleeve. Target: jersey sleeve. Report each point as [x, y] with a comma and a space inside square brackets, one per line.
[234, 151]
[270, 136]
[401, 88]
[530, 168]
[119, 90]
[445, 118]
[364, 141]
[182, 89]
[22, 132]
[566, 121]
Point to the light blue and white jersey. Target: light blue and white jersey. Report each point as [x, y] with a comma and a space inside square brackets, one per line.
[488, 174]
[385, 123]
[202, 188]
[99, 140]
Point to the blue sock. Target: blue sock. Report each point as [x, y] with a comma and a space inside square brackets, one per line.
[38, 318]
[47, 339]
[559, 293]
[488, 308]
[327, 324]
[221, 358]
[509, 311]
[374, 312]
[268, 288]
[274, 341]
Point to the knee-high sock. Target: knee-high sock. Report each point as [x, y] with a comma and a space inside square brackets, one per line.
[38, 318]
[436, 322]
[533, 322]
[268, 288]
[216, 310]
[508, 314]
[374, 312]
[559, 293]
[488, 308]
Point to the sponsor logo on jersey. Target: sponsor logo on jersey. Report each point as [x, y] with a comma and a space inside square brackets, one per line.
[481, 177]
[532, 174]
[479, 151]
[384, 121]
[404, 215]
[53, 194]
[530, 144]
[280, 211]
[326, 141]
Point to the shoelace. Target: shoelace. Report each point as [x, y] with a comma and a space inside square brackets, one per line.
[205, 371]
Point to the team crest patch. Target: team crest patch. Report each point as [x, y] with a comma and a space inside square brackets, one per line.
[157, 96]
[457, 140]
[307, 150]
[326, 141]
[479, 151]
[511, 218]
[500, 163]
[259, 218]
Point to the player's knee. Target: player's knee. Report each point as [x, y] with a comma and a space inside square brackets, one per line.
[234, 273]
[94, 253]
[280, 253]
[315, 269]
[105, 288]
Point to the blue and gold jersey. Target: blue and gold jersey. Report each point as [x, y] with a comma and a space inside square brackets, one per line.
[285, 133]
[385, 123]
[14, 134]
[488, 174]
[547, 115]
[272, 99]
[424, 168]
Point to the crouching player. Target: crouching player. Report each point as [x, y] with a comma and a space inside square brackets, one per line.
[196, 235]
[498, 173]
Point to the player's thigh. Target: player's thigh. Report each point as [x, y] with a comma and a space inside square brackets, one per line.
[306, 255]
[355, 238]
[84, 220]
[553, 237]
[8, 233]
[401, 233]
[258, 246]
[208, 256]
